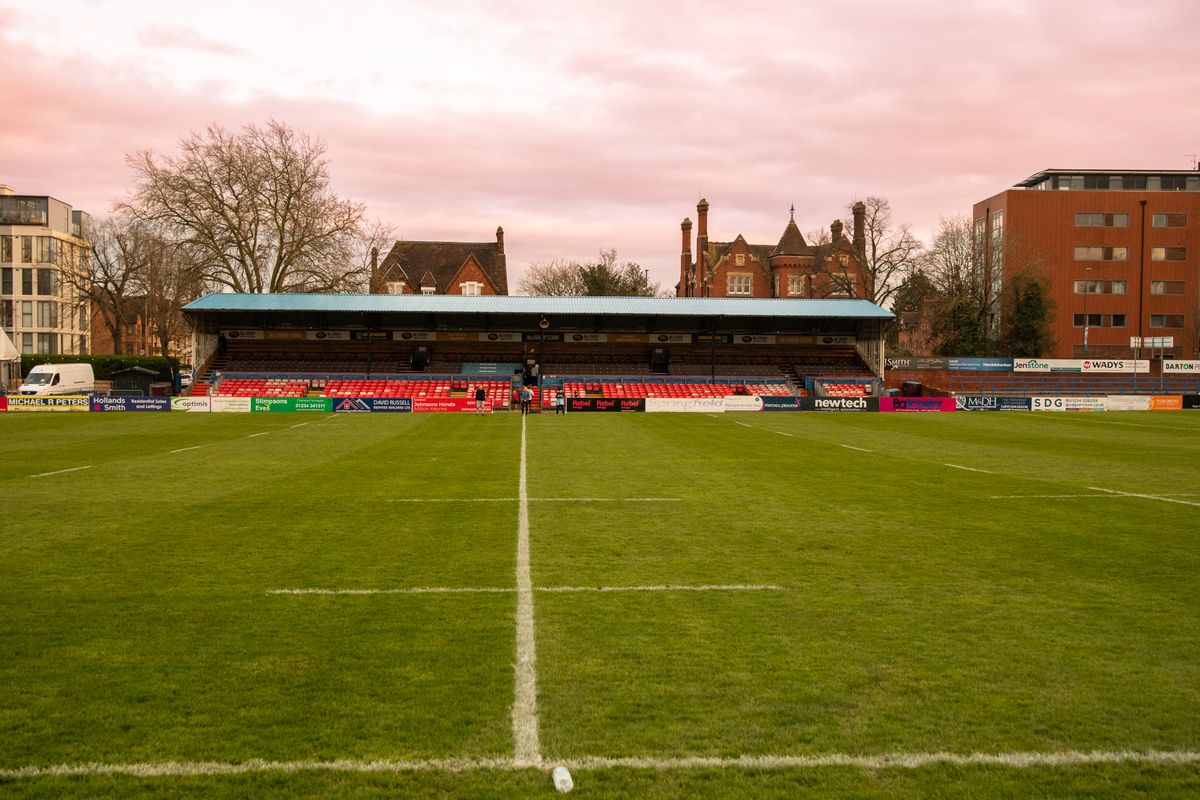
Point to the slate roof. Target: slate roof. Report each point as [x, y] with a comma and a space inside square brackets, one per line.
[792, 242]
[441, 261]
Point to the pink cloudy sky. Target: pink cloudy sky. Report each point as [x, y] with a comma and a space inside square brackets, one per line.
[580, 126]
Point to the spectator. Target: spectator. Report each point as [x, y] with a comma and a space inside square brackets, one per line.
[560, 403]
[480, 399]
[526, 400]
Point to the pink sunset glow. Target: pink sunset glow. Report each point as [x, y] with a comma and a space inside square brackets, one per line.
[580, 127]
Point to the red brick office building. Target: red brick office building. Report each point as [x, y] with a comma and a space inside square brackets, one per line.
[470, 268]
[793, 268]
[1121, 249]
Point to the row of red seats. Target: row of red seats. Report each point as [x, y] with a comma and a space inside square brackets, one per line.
[262, 387]
[846, 389]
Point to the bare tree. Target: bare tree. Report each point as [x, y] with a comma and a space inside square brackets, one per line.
[368, 248]
[171, 279]
[890, 253]
[601, 278]
[255, 207]
[110, 276]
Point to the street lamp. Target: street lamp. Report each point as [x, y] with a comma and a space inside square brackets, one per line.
[1087, 289]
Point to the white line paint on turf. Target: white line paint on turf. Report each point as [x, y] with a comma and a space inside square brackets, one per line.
[744, 425]
[507, 590]
[970, 469]
[301, 425]
[880, 761]
[735, 587]
[185, 449]
[58, 472]
[781, 433]
[1159, 497]
[538, 500]
[263, 433]
[859, 449]
[527, 750]
[454, 500]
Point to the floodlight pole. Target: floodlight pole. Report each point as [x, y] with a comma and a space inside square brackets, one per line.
[1087, 289]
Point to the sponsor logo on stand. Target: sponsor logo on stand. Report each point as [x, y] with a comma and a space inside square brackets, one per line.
[841, 404]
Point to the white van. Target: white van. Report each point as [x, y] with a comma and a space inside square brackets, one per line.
[47, 379]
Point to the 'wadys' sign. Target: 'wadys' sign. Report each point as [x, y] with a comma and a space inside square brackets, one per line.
[1080, 365]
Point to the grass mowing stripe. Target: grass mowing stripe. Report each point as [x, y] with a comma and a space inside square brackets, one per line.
[882, 761]
[58, 472]
[1161, 498]
[526, 748]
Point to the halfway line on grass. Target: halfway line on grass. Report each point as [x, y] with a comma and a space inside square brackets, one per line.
[880, 761]
[537, 500]
[58, 472]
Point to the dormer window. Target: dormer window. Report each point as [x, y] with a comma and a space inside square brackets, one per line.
[471, 287]
[428, 290]
[395, 287]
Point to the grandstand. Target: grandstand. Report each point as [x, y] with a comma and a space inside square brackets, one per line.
[446, 346]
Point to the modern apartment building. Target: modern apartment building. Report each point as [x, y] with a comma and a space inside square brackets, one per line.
[1121, 249]
[43, 247]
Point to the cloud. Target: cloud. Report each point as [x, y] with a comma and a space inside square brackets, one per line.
[179, 38]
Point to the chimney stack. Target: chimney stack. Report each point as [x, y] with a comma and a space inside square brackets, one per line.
[6, 190]
[860, 237]
[835, 229]
[685, 259]
[500, 240]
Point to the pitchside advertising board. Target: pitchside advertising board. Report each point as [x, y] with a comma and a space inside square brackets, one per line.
[1125, 366]
[362, 405]
[841, 404]
[605, 404]
[969, 402]
[917, 404]
[3, 404]
[102, 403]
[1190, 401]
[1171, 367]
[194, 404]
[1069, 403]
[62, 403]
[322, 404]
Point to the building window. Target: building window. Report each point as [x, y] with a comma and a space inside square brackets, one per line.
[26, 313]
[795, 285]
[1101, 287]
[739, 283]
[26, 342]
[47, 343]
[1101, 253]
[1099, 220]
[6, 313]
[6, 249]
[6, 281]
[47, 315]
[1166, 287]
[1174, 183]
[740, 259]
[26, 281]
[394, 287]
[45, 281]
[1166, 320]
[47, 250]
[471, 287]
[83, 345]
[27, 249]
[1099, 320]
[428, 290]
[83, 315]
[1168, 220]
[1168, 253]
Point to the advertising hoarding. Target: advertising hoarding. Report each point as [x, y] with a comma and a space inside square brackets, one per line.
[743, 402]
[442, 404]
[196, 404]
[772, 403]
[59, 403]
[104, 403]
[1172, 367]
[917, 404]
[1166, 403]
[235, 405]
[975, 402]
[841, 403]
[590, 404]
[366, 405]
[1117, 365]
[1069, 403]
[1130, 402]
[1191, 401]
[684, 405]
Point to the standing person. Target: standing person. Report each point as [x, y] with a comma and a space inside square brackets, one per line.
[526, 399]
[480, 399]
[560, 402]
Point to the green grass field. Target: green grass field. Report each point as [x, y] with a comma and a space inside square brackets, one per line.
[749, 605]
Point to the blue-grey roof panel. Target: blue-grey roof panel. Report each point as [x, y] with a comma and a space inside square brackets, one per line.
[602, 306]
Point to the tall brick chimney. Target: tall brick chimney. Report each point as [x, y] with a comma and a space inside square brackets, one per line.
[701, 244]
[860, 237]
[685, 259]
[835, 229]
[373, 281]
[500, 240]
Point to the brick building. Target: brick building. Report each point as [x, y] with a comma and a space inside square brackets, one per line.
[1121, 249]
[470, 268]
[793, 268]
[138, 337]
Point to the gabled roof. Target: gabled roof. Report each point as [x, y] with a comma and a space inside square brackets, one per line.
[442, 261]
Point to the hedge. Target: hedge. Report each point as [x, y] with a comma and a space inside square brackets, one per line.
[105, 366]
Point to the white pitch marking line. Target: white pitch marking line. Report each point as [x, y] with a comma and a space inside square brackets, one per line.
[737, 587]
[743, 424]
[538, 500]
[1109, 495]
[455, 500]
[1145, 496]
[527, 749]
[301, 425]
[58, 472]
[251, 436]
[781, 433]
[970, 469]
[859, 449]
[185, 449]
[1018, 760]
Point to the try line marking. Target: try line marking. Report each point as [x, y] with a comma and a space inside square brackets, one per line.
[58, 472]
[880, 761]
[712, 587]
[1161, 498]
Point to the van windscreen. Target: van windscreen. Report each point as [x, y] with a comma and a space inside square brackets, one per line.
[39, 378]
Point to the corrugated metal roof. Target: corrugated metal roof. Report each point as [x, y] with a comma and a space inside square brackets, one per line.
[601, 306]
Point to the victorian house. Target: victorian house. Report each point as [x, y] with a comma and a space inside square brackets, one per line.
[474, 268]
